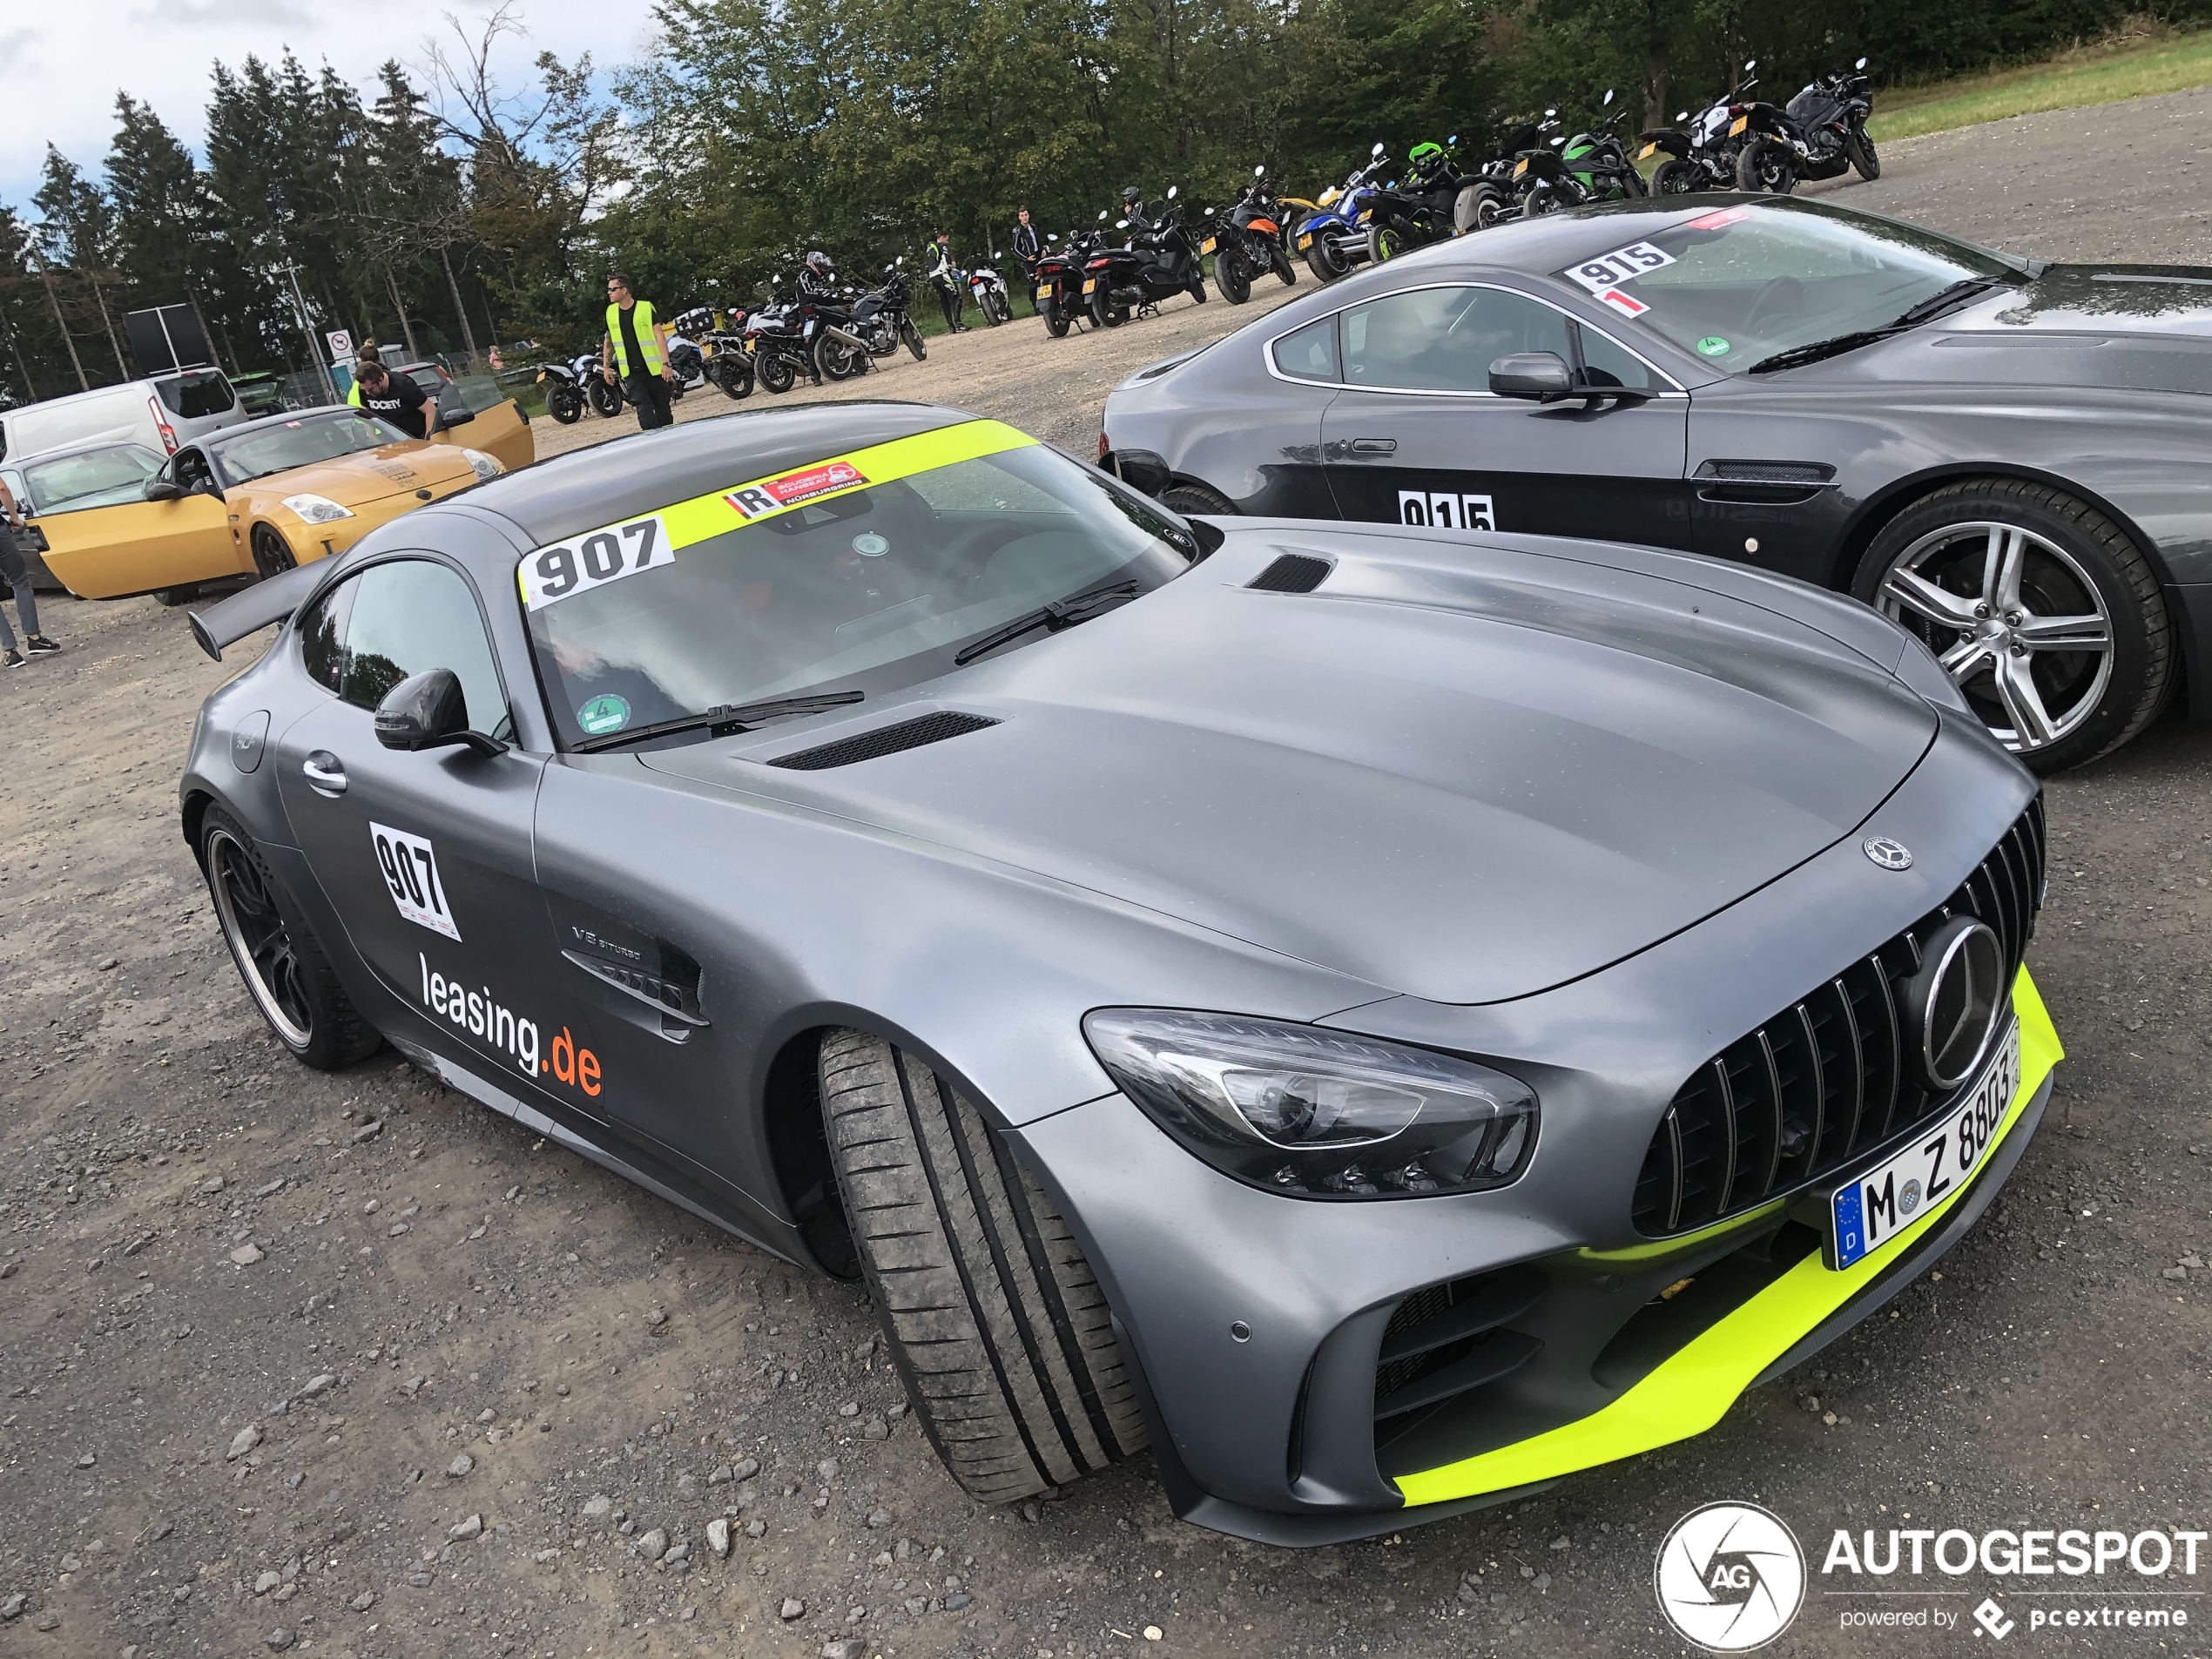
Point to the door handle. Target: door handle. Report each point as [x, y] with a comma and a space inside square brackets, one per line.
[1374, 446]
[324, 771]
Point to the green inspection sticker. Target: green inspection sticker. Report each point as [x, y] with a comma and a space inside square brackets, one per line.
[1713, 345]
[603, 713]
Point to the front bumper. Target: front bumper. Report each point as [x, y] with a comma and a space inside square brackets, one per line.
[1272, 1435]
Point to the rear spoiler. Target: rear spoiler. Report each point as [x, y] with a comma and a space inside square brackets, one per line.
[255, 608]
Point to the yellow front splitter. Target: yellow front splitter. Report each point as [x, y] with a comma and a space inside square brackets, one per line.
[1694, 1388]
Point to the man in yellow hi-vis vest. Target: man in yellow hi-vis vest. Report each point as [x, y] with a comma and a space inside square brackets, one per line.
[635, 352]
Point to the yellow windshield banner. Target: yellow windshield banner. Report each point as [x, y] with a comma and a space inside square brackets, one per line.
[578, 564]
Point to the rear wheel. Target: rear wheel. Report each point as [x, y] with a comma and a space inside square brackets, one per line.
[565, 403]
[1056, 321]
[776, 373]
[1864, 156]
[2043, 610]
[278, 955]
[995, 1321]
[1673, 176]
[605, 398]
[1324, 260]
[733, 373]
[1385, 242]
[1104, 312]
[273, 554]
[1230, 277]
[836, 360]
[1766, 168]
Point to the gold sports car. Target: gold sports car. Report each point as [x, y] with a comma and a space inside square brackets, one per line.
[113, 519]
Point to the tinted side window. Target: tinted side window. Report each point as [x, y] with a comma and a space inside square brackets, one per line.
[1309, 354]
[192, 470]
[1607, 364]
[322, 635]
[412, 615]
[197, 394]
[1444, 340]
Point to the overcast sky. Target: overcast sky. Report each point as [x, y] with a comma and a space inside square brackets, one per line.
[62, 62]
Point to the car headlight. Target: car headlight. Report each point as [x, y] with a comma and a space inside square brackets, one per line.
[486, 466]
[317, 510]
[1318, 1114]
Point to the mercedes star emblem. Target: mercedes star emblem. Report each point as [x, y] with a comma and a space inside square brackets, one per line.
[1953, 1005]
[1891, 855]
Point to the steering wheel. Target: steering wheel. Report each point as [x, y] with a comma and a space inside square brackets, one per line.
[1781, 297]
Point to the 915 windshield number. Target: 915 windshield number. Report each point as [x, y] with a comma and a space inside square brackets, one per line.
[567, 569]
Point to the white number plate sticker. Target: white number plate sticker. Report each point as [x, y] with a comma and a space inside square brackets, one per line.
[583, 563]
[410, 866]
[1445, 512]
[1866, 1214]
[1623, 265]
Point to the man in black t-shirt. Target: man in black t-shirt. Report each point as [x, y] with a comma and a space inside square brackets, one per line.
[398, 400]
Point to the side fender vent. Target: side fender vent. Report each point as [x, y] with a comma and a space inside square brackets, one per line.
[885, 741]
[1293, 573]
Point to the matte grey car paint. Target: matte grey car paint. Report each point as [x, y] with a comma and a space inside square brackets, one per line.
[1586, 812]
[2092, 379]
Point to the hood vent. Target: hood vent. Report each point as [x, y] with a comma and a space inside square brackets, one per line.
[1293, 573]
[884, 740]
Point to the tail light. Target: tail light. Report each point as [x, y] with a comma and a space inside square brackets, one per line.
[1103, 451]
[161, 421]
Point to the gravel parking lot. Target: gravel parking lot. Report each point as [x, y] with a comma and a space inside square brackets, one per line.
[345, 1364]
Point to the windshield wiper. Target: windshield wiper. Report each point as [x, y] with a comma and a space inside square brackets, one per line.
[735, 717]
[1933, 305]
[1061, 613]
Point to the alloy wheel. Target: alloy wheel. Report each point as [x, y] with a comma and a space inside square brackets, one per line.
[260, 941]
[2014, 619]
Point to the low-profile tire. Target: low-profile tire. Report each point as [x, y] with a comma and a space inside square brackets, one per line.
[1324, 261]
[995, 1321]
[605, 400]
[1385, 242]
[1765, 167]
[1674, 176]
[777, 375]
[2096, 663]
[1187, 498]
[733, 373]
[174, 596]
[273, 554]
[277, 954]
[1864, 156]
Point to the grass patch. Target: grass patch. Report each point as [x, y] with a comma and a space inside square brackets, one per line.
[2106, 73]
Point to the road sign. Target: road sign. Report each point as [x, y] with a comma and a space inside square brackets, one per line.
[342, 343]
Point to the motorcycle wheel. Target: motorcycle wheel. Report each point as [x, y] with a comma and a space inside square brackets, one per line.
[1673, 176]
[565, 404]
[734, 376]
[776, 373]
[1864, 156]
[1384, 242]
[1479, 207]
[1104, 312]
[1198, 290]
[605, 400]
[912, 335]
[1280, 261]
[1230, 277]
[676, 390]
[1766, 168]
[1056, 321]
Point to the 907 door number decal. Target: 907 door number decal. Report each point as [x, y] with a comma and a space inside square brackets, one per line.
[410, 866]
[1623, 265]
[592, 560]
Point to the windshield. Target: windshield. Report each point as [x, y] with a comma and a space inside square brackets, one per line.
[1741, 285]
[864, 573]
[89, 478]
[301, 442]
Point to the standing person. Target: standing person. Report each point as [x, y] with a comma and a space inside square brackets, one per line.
[1028, 248]
[944, 276]
[635, 352]
[14, 572]
[397, 399]
[368, 354]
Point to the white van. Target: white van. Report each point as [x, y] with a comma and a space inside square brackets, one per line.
[162, 412]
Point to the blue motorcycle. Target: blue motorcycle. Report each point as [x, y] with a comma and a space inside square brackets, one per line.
[1331, 237]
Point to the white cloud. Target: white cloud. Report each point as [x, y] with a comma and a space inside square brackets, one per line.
[59, 75]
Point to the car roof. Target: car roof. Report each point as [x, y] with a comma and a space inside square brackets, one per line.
[40, 456]
[649, 470]
[261, 422]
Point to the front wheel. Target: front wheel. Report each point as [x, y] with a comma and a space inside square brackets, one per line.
[2043, 611]
[273, 554]
[565, 404]
[1864, 156]
[776, 373]
[733, 373]
[1385, 242]
[1766, 168]
[1230, 277]
[1279, 260]
[277, 953]
[994, 1319]
[605, 400]
[912, 335]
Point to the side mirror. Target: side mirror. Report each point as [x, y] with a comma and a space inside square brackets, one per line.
[456, 417]
[1608, 97]
[1861, 63]
[1102, 215]
[1121, 223]
[1261, 168]
[1750, 63]
[164, 489]
[429, 711]
[1542, 376]
[1551, 115]
[1557, 142]
[1172, 190]
[1682, 115]
[1376, 151]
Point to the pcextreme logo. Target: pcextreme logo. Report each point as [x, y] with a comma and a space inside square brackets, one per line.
[481, 1016]
[1729, 1577]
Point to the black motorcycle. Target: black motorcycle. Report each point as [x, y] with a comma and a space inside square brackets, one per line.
[1699, 154]
[1401, 218]
[1159, 261]
[780, 343]
[727, 364]
[1591, 166]
[571, 386]
[1821, 134]
[1251, 238]
[1493, 194]
[880, 316]
[1059, 276]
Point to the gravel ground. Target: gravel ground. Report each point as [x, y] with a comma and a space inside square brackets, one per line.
[343, 1363]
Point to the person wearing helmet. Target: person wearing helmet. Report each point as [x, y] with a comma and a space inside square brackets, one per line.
[1133, 209]
[818, 278]
[1430, 175]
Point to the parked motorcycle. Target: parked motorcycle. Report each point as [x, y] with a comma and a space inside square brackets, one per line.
[1156, 263]
[1821, 134]
[1247, 241]
[1399, 220]
[1492, 196]
[727, 364]
[1060, 280]
[988, 288]
[1699, 156]
[570, 386]
[880, 316]
[1331, 237]
[686, 356]
[781, 344]
[1591, 166]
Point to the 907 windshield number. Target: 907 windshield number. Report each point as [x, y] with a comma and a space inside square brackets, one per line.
[567, 569]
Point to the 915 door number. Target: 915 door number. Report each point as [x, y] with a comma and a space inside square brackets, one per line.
[410, 866]
[569, 568]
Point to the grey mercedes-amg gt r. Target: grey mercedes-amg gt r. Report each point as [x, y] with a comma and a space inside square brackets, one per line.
[2006, 456]
[1390, 1018]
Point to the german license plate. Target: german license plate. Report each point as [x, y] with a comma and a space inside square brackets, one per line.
[1647, 152]
[1742, 121]
[1304, 243]
[1089, 283]
[1866, 1213]
[1207, 247]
